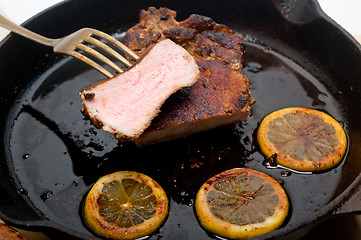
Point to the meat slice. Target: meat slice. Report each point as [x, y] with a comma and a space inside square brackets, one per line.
[126, 104]
[220, 96]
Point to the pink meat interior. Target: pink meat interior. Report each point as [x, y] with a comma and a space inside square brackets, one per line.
[127, 103]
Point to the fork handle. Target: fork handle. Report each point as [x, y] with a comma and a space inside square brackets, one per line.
[6, 23]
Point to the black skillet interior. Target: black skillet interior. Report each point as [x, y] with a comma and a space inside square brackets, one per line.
[51, 155]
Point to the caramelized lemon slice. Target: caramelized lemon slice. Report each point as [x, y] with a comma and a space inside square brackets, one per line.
[241, 203]
[125, 205]
[303, 139]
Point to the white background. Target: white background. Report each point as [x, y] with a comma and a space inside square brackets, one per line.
[344, 12]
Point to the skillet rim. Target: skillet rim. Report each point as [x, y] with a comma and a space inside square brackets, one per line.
[328, 208]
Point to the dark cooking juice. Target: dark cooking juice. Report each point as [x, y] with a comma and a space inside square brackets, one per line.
[57, 155]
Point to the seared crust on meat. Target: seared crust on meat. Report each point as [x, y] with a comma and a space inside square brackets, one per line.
[219, 97]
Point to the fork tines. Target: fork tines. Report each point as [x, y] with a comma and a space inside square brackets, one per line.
[87, 36]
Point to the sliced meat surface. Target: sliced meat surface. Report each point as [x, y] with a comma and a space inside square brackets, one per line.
[220, 96]
[126, 104]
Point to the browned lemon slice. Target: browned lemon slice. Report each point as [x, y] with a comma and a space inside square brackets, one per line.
[303, 139]
[125, 205]
[241, 203]
[8, 233]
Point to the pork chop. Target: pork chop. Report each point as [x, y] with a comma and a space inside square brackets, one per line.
[219, 97]
[126, 104]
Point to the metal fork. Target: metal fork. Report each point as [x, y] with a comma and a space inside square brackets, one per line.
[78, 41]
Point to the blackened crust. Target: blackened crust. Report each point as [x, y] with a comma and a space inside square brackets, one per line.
[221, 90]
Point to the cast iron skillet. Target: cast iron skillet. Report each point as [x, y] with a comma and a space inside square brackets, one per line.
[297, 56]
